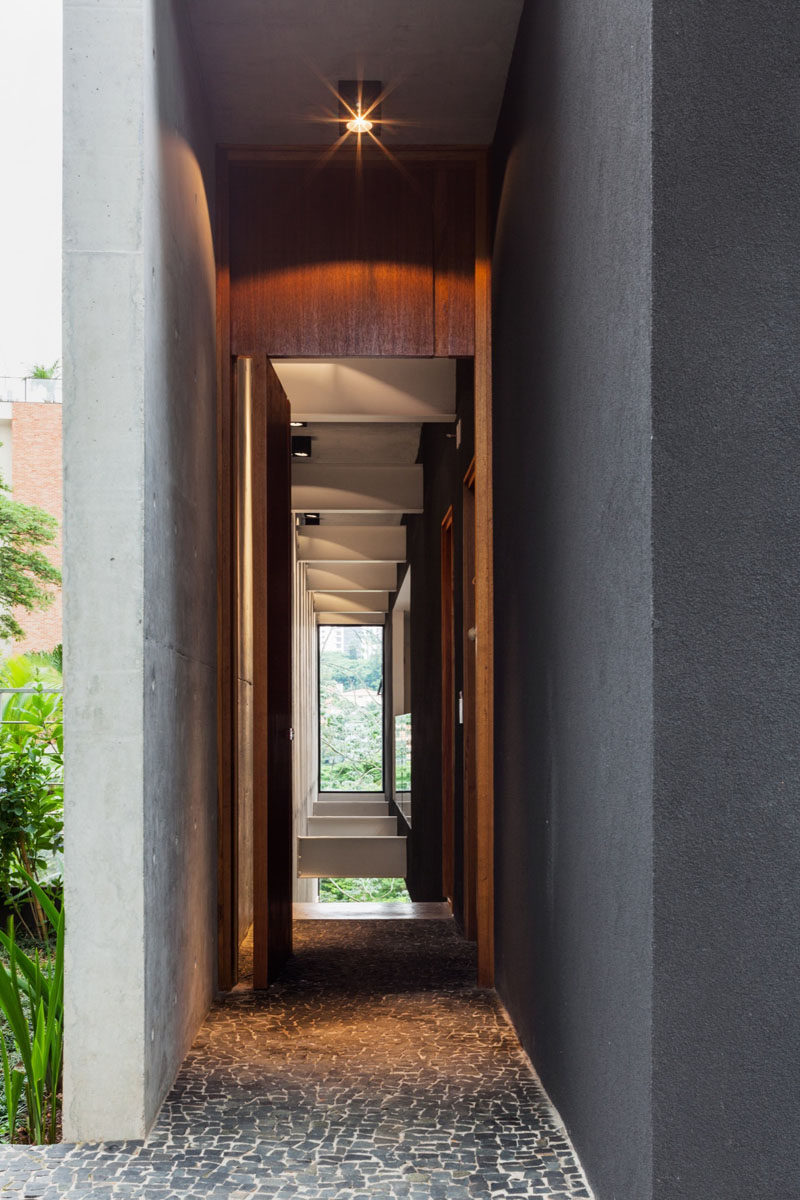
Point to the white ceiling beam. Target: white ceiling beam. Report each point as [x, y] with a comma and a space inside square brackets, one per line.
[351, 602]
[354, 578]
[352, 543]
[370, 389]
[351, 619]
[354, 488]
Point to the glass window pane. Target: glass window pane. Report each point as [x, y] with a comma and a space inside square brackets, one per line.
[351, 708]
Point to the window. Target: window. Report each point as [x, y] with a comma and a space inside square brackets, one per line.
[351, 708]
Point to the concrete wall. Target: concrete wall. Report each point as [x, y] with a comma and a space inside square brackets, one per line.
[726, 510]
[573, 647]
[139, 559]
[180, 544]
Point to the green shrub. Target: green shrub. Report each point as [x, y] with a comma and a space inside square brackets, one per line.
[32, 1004]
[31, 782]
[375, 890]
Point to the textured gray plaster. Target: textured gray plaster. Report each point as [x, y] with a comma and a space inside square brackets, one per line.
[573, 647]
[726, 366]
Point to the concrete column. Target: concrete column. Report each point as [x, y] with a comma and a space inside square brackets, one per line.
[139, 562]
[104, 569]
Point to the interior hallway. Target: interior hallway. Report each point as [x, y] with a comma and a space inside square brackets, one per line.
[372, 1068]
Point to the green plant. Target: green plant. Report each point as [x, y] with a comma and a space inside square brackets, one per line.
[40, 371]
[31, 781]
[38, 1033]
[375, 890]
[52, 659]
[351, 709]
[351, 743]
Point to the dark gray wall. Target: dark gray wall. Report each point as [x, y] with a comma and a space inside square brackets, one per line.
[445, 465]
[423, 549]
[726, 513]
[573, 572]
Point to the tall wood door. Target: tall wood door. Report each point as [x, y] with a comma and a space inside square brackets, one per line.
[470, 713]
[272, 676]
[255, 674]
[448, 708]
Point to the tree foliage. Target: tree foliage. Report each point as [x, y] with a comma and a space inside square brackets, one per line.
[31, 844]
[351, 712]
[351, 744]
[26, 573]
[369, 890]
[31, 780]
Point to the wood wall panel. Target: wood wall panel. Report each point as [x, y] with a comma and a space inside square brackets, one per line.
[470, 732]
[484, 587]
[448, 650]
[454, 261]
[334, 262]
[272, 677]
[279, 533]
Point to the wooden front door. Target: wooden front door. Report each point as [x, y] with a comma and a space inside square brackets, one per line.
[255, 806]
[470, 711]
[448, 708]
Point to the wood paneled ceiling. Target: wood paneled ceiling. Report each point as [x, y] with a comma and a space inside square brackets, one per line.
[264, 63]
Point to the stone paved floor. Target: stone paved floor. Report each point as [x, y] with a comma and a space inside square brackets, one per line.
[373, 1069]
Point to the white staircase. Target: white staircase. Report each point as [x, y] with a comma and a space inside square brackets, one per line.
[352, 826]
[350, 808]
[351, 835]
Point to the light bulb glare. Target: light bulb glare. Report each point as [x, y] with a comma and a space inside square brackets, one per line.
[359, 125]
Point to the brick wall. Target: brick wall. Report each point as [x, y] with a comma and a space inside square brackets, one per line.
[36, 471]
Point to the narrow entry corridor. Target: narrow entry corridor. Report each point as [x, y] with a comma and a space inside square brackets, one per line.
[372, 1068]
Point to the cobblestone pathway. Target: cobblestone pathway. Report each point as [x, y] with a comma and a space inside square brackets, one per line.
[372, 1069]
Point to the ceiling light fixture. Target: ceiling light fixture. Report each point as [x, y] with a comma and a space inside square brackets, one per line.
[359, 106]
[359, 125]
[301, 447]
[312, 518]
[298, 424]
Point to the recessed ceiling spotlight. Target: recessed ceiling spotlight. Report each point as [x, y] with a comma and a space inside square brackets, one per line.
[312, 518]
[359, 125]
[359, 106]
[301, 447]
